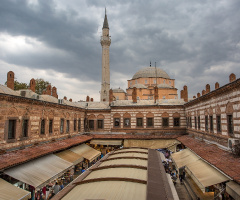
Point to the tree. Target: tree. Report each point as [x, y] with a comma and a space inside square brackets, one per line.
[41, 85]
[18, 85]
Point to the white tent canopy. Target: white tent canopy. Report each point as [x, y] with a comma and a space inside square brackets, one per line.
[40, 171]
[86, 151]
[9, 191]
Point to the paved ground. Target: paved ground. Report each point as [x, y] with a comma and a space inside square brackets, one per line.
[182, 192]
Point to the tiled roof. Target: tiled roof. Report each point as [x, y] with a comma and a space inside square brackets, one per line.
[17, 157]
[223, 160]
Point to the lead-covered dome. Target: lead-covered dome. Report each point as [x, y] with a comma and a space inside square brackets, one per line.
[151, 72]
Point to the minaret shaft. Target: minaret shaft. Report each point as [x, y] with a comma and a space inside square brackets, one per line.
[105, 42]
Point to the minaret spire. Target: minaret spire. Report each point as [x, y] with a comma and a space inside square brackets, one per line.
[105, 42]
[105, 23]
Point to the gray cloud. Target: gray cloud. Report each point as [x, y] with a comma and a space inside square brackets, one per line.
[190, 40]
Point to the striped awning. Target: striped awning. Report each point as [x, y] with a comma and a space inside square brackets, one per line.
[41, 171]
[9, 191]
[86, 151]
[107, 142]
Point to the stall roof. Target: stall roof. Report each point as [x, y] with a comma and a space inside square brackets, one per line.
[204, 175]
[40, 171]
[107, 142]
[129, 154]
[109, 190]
[132, 149]
[86, 151]
[118, 178]
[9, 191]
[70, 156]
[152, 144]
[184, 157]
[233, 189]
[128, 161]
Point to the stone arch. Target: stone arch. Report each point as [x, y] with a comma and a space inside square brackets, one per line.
[165, 114]
[218, 110]
[210, 111]
[13, 111]
[229, 108]
[139, 115]
[67, 115]
[51, 114]
[176, 115]
[150, 115]
[116, 115]
[126, 115]
[206, 112]
[92, 116]
[100, 116]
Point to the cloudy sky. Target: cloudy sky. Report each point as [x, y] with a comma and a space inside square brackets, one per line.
[195, 42]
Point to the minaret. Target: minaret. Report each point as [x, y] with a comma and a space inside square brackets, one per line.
[105, 42]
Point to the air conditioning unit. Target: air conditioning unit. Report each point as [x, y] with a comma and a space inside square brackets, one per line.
[232, 142]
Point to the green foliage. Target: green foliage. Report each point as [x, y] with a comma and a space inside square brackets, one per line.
[41, 85]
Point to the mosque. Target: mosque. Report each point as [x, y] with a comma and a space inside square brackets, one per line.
[148, 115]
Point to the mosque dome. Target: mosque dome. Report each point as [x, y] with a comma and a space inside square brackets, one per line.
[164, 85]
[118, 90]
[138, 85]
[151, 72]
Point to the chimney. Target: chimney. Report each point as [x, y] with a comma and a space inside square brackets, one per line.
[155, 94]
[70, 100]
[33, 85]
[91, 99]
[194, 97]
[87, 99]
[10, 80]
[65, 98]
[181, 94]
[185, 93]
[207, 88]
[134, 95]
[232, 77]
[54, 92]
[198, 94]
[110, 96]
[216, 85]
[203, 92]
[49, 90]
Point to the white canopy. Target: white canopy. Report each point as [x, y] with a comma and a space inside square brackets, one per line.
[86, 151]
[9, 191]
[40, 171]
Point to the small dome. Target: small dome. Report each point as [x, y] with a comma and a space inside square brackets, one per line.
[151, 72]
[118, 90]
[164, 85]
[138, 86]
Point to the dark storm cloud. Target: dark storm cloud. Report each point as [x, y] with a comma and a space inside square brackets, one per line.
[192, 40]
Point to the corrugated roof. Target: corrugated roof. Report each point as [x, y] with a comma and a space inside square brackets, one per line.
[127, 161]
[118, 190]
[6, 90]
[129, 154]
[119, 172]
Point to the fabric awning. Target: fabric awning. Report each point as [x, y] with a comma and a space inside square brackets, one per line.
[70, 156]
[233, 189]
[107, 142]
[86, 151]
[9, 191]
[204, 174]
[152, 144]
[172, 147]
[184, 157]
[41, 171]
